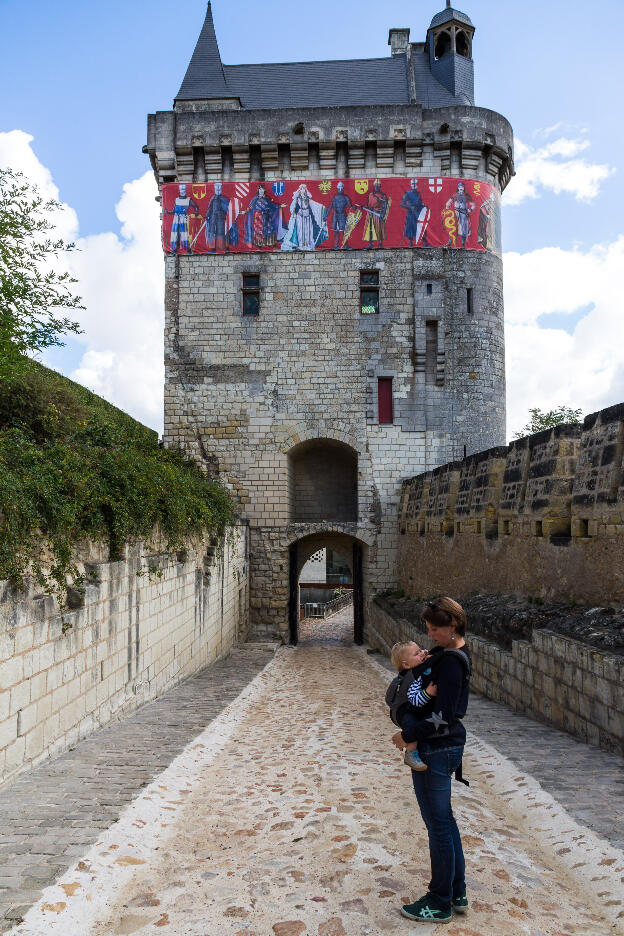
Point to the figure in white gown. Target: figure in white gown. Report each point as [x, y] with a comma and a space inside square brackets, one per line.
[308, 222]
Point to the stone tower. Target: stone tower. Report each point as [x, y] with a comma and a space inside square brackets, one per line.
[318, 351]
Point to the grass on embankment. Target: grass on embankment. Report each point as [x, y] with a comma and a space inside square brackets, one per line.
[74, 468]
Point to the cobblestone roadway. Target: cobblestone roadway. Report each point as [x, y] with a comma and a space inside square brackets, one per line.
[303, 824]
[52, 815]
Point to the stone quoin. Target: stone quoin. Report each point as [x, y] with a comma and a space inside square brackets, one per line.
[305, 358]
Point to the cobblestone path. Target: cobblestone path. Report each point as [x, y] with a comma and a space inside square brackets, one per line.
[291, 815]
[586, 781]
[52, 815]
[334, 631]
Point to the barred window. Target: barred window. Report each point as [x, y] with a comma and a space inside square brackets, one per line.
[369, 292]
[251, 294]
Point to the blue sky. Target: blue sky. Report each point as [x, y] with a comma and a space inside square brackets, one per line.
[81, 76]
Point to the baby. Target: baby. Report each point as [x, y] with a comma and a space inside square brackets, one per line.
[406, 695]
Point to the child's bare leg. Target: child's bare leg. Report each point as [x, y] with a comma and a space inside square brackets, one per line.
[413, 746]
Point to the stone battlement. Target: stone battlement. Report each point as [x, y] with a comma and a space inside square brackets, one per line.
[543, 516]
[202, 144]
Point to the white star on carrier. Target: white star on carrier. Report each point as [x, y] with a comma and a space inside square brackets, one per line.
[437, 720]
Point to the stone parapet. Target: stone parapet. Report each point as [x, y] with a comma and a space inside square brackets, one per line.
[542, 517]
[197, 142]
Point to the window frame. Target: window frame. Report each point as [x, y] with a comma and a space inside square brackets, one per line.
[373, 288]
[250, 291]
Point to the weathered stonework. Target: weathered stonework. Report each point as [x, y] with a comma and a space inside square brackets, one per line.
[242, 393]
[147, 622]
[543, 517]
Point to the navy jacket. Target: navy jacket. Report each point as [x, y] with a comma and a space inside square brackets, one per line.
[442, 726]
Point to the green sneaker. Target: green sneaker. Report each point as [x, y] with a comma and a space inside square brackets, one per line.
[460, 904]
[425, 912]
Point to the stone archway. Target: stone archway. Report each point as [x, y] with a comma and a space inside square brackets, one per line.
[352, 549]
[323, 481]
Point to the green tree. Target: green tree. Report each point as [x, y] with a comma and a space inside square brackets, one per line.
[561, 415]
[33, 296]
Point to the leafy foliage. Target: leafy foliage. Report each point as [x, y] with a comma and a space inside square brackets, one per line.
[73, 467]
[33, 296]
[561, 415]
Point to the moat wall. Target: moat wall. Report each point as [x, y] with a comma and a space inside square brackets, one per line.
[543, 517]
[147, 622]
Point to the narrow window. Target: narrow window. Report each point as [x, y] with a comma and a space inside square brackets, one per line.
[384, 399]
[506, 527]
[251, 294]
[369, 291]
[470, 300]
[539, 528]
[429, 289]
[431, 352]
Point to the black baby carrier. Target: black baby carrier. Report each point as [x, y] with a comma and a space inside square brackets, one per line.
[396, 694]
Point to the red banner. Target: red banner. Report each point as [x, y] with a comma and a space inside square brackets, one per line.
[330, 214]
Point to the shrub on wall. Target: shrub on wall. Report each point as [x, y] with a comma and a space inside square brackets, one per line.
[72, 468]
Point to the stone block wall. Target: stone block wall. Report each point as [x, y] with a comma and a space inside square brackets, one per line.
[255, 398]
[543, 517]
[147, 622]
[552, 677]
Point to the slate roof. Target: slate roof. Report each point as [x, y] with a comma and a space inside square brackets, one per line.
[348, 83]
[450, 14]
[320, 84]
[204, 77]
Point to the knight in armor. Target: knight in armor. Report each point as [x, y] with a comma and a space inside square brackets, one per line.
[417, 217]
[216, 221]
[377, 208]
[463, 207]
[339, 206]
[183, 207]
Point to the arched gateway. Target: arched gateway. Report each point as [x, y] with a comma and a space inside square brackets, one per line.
[351, 549]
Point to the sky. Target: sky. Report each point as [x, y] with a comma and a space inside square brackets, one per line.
[79, 79]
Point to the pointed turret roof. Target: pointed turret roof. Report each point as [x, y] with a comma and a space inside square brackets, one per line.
[344, 83]
[204, 77]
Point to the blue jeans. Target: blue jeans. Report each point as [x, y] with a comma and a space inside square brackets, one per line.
[433, 792]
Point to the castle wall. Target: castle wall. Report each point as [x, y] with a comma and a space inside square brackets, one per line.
[543, 517]
[242, 392]
[148, 623]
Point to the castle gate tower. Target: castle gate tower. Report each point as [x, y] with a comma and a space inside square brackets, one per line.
[333, 284]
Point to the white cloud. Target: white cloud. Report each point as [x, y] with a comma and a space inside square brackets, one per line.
[120, 277]
[557, 168]
[16, 153]
[547, 367]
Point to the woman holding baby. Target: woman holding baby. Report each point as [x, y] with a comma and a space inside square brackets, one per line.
[441, 736]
